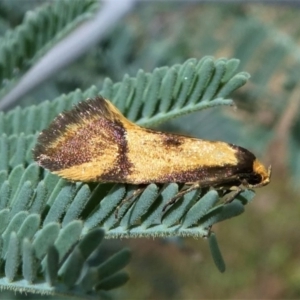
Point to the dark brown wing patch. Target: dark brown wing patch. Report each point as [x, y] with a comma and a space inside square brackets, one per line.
[83, 110]
[89, 131]
[171, 140]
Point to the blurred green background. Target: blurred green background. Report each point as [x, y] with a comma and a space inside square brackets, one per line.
[261, 247]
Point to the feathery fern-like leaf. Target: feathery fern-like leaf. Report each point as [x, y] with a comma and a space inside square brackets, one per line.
[148, 99]
[64, 266]
[40, 30]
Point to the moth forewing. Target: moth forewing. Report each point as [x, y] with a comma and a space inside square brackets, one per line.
[94, 142]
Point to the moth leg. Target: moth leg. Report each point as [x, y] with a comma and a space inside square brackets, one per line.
[231, 197]
[173, 200]
[137, 192]
[236, 191]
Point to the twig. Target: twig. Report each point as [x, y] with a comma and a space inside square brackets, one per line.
[69, 49]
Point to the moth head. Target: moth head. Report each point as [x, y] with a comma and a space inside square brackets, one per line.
[264, 173]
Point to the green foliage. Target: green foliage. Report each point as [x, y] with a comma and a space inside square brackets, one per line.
[216, 253]
[51, 229]
[52, 260]
[26, 241]
[39, 31]
[148, 99]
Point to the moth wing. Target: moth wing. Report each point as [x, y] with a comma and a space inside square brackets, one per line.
[84, 143]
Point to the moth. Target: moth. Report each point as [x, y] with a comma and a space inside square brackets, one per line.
[94, 142]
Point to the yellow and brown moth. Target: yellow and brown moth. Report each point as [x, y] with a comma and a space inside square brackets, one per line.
[94, 142]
